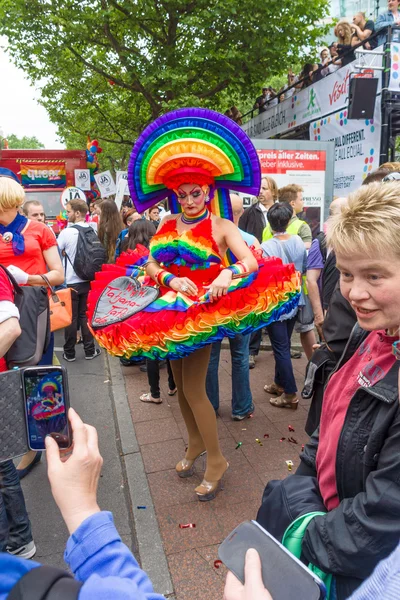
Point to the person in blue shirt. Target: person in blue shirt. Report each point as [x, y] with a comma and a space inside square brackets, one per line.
[94, 553]
[391, 17]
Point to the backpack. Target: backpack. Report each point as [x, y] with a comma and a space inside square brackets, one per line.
[33, 305]
[321, 237]
[90, 254]
[45, 583]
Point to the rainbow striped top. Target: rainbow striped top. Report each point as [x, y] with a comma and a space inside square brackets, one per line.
[194, 248]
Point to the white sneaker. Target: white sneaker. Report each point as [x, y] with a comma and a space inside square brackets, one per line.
[27, 551]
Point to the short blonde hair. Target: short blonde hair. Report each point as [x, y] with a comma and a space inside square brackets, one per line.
[12, 194]
[370, 222]
[391, 166]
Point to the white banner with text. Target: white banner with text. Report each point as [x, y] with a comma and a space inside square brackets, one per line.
[320, 99]
[357, 146]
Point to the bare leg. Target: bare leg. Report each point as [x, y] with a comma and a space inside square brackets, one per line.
[307, 341]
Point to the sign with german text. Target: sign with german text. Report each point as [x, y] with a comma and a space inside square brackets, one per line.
[71, 193]
[357, 146]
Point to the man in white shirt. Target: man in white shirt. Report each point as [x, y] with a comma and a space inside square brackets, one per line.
[67, 242]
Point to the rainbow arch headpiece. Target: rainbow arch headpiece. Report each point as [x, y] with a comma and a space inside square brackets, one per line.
[49, 385]
[192, 145]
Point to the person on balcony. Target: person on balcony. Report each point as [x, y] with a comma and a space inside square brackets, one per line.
[363, 30]
[391, 17]
[262, 101]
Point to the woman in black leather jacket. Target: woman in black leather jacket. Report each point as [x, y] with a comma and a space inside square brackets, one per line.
[351, 466]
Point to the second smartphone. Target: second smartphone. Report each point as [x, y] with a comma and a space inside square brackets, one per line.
[46, 398]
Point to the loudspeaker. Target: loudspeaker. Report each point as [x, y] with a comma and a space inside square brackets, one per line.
[362, 96]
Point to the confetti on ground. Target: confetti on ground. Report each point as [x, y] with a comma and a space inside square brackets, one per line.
[266, 435]
[238, 446]
[141, 507]
[106, 381]
[282, 439]
[292, 440]
[251, 416]
[289, 464]
[258, 441]
[244, 429]
[187, 526]
[217, 563]
[291, 428]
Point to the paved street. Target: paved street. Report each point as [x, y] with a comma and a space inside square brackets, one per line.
[161, 436]
[140, 454]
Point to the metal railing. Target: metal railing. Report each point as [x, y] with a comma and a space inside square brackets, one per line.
[304, 79]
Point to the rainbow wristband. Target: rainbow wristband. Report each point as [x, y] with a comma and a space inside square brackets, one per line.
[237, 269]
[164, 278]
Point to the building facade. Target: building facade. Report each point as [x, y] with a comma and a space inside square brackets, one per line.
[347, 8]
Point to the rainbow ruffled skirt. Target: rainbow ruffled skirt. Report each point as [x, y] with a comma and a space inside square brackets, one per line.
[175, 325]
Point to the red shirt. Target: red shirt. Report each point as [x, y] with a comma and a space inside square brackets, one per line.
[366, 367]
[6, 293]
[38, 237]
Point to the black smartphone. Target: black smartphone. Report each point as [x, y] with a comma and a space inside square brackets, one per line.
[46, 400]
[284, 576]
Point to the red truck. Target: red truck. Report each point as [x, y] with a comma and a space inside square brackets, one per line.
[44, 174]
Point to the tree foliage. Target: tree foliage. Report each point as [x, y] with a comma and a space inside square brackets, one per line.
[23, 143]
[108, 67]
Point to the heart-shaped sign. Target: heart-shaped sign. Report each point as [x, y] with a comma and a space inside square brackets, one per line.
[120, 299]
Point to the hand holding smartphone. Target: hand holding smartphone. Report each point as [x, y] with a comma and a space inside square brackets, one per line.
[283, 575]
[46, 398]
[254, 586]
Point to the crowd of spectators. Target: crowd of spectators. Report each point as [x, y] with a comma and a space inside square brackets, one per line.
[343, 497]
[338, 54]
[347, 480]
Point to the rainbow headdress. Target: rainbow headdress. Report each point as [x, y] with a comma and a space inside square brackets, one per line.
[199, 144]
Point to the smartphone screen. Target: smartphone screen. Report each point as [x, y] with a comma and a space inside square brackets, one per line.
[46, 404]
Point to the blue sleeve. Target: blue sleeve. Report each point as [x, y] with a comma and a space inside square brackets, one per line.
[315, 259]
[383, 21]
[97, 556]
[384, 581]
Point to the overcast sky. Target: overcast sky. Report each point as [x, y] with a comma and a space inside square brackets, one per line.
[20, 112]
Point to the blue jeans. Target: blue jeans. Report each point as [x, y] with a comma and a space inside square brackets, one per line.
[280, 333]
[242, 401]
[15, 527]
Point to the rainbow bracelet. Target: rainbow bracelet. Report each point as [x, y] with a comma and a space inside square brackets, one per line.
[164, 278]
[238, 269]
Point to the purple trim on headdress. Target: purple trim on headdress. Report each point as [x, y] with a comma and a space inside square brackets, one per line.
[152, 198]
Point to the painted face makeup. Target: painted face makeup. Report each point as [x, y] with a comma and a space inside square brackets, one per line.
[192, 198]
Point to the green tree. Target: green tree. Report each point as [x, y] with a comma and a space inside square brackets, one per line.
[23, 143]
[111, 66]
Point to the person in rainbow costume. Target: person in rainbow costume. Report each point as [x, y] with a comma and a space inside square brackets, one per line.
[49, 411]
[211, 283]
